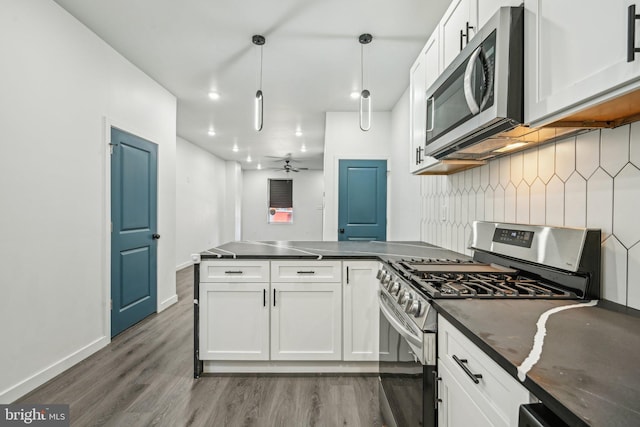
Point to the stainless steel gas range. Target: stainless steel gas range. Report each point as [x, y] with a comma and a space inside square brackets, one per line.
[509, 261]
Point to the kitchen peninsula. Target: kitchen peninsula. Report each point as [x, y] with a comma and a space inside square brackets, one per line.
[586, 372]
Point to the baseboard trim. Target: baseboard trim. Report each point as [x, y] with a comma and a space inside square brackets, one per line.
[184, 265]
[214, 366]
[168, 303]
[36, 380]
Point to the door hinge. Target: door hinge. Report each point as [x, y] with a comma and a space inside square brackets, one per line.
[111, 305]
[111, 145]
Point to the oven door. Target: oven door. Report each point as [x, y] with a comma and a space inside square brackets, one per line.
[407, 392]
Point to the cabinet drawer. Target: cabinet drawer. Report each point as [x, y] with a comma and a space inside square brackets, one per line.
[497, 393]
[234, 271]
[305, 271]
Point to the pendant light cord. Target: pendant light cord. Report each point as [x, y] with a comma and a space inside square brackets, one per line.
[361, 67]
[260, 83]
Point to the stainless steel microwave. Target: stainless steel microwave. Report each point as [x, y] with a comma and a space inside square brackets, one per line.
[480, 94]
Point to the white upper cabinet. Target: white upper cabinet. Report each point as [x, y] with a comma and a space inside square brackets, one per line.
[423, 73]
[576, 56]
[458, 26]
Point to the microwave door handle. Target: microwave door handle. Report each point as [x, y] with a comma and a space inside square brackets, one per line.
[488, 78]
[433, 113]
[468, 76]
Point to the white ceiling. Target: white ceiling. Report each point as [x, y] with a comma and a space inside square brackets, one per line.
[311, 63]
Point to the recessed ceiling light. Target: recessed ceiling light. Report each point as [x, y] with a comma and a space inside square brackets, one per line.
[303, 148]
[298, 132]
[355, 95]
[211, 132]
[214, 95]
[235, 148]
[259, 166]
[249, 158]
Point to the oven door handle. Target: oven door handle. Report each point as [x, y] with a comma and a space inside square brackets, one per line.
[404, 332]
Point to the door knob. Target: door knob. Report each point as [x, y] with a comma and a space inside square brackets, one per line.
[341, 231]
[155, 236]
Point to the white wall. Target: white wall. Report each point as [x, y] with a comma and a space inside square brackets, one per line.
[233, 202]
[345, 140]
[200, 201]
[61, 88]
[592, 180]
[404, 188]
[307, 206]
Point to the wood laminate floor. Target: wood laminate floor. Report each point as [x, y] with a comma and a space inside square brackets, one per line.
[145, 378]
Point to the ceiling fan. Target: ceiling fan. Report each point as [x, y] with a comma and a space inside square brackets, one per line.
[288, 167]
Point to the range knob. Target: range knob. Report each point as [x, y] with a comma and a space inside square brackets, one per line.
[404, 297]
[386, 278]
[415, 308]
[381, 274]
[394, 288]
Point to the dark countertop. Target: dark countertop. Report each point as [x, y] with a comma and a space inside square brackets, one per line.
[328, 250]
[588, 372]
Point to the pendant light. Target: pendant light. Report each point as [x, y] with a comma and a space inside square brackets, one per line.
[365, 95]
[259, 40]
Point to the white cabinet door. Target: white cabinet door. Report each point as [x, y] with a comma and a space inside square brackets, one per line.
[487, 8]
[578, 62]
[453, 27]
[234, 321]
[423, 73]
[361, 313]
[306, 321]
[497, 394]
[457, 408]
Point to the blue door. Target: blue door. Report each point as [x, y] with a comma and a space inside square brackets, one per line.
[362, 200]
[134, 173]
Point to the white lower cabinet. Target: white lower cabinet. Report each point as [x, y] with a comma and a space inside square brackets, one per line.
[234, 321]
[474, 389]
[306, 321]
[361, 313]
[457, 407]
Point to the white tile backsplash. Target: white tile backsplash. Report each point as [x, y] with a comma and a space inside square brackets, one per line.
[522, 203]
[633, 268]
[634, 149]
[600, 202]
[575, 201]
[505, 171]
[537, 206]
[614, 270]
[614, 149]
[546, 162]
[555, 202]
[626, 200]
[565, 158]
[591, 180]
[587, 153]
[530, 165]
[510, 203]
[516, 168]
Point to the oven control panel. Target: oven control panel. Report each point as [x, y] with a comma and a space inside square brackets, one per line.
[513, 237]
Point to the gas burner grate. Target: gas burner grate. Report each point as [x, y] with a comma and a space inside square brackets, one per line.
[476, 285]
